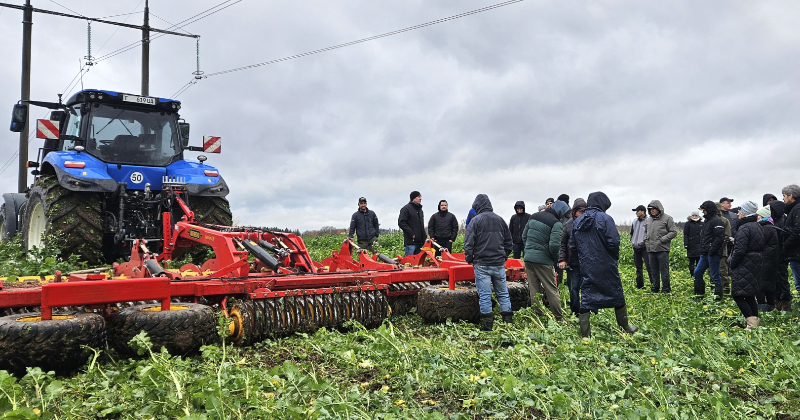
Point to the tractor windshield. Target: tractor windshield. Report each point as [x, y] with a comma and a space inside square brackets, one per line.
[132, 136]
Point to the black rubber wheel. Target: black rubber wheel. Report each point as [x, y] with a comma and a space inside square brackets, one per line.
[57, 344]
[519, 294]
[402, 304]
[438, 303]
[182, 330]
[73, 218]
[211, 211]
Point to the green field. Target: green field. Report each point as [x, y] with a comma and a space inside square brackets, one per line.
[690, 359]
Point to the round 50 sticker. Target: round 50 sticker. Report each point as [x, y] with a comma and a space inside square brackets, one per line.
[137, 177]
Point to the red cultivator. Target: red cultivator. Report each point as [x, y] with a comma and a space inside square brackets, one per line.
[264, 282]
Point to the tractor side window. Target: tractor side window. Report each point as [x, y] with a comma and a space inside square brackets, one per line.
[73, 127]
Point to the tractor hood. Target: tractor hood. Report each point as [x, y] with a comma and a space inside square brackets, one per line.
[84, 172]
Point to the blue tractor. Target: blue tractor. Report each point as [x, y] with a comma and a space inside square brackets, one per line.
[98, 178]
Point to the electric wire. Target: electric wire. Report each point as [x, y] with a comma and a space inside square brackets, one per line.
[118, 27]
[53, 1]
[347, 44]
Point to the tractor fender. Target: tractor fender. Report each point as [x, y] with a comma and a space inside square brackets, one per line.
[76, 183]
[220, 189]
[92, 178]
[13, 203]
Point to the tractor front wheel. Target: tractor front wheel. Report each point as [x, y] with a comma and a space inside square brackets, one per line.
[58, 344]
[182, 329]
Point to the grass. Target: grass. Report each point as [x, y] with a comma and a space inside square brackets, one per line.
[689, 360]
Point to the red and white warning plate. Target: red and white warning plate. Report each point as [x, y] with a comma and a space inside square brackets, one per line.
[212, 144]
[46, 129]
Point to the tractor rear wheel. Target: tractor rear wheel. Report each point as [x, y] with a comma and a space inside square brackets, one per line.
[438, 303]
[519, 295]
[58, 344]
[74, 219]
[182, 329]
[3, 228]
[211, 211]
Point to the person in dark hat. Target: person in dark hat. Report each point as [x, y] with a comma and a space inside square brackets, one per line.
[549, 202]
[639, 250]
[364, 224]
[412, 223]
[732, 216]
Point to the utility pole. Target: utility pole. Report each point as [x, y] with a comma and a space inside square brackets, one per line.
[146, 50]
[27, 23]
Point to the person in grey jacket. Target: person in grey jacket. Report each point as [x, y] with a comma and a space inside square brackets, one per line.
[659, 232]
[487, 244]
[639, 251]
[364, 224]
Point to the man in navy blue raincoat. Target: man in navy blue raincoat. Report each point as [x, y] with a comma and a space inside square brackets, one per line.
[596, 240]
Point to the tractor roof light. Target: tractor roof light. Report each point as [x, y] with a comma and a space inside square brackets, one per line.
[210, 172]
[74, 164]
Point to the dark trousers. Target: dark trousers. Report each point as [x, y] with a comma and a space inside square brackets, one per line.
[559, 274]
[659, 266]
[782, 289]
[518, 250]
[574, 280]
[693, 264]
[747, 304]
[639, 256]
[447, 245]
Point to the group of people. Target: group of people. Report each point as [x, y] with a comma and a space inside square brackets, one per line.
[747, 251]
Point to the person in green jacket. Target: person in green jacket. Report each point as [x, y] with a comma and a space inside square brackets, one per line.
[542, 237]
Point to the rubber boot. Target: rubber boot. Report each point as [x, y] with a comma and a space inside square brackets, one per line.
[622, 320]
[586, 327]
[718, 291]
[699, 288]
[508, 317]
[487, 322]
[752, 322]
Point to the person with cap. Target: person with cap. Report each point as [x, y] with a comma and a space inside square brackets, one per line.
[783, 292]
[639, 250]
[693, 239]
[712, 248]
[412, 223]
[745, 263]
[549, 202]
[542, 236]
[541, 208]
[770, 260]
[565, 198]
[364, 224]
[487, 244]
[595, 239]
[443, 228]
[659, 232]
[726, 250]
[729, 214]
[791, 227]
[517, 225]
[569, 260]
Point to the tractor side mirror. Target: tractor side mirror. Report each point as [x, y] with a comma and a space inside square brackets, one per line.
[183, 130]
[19, 117]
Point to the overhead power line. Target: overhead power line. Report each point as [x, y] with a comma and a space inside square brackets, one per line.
[346, 44]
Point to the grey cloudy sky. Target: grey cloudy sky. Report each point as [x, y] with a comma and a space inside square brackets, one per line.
[679, 101]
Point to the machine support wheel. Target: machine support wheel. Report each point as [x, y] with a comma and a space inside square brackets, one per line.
[182, 329]
[58, 344]
[72, 217]
[519, 295]
[438, 303]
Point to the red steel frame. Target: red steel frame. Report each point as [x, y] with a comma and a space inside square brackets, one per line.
[231, 274]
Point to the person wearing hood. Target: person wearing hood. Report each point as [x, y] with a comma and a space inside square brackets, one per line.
[412, 223]
[569, 260]
[768, 198]
[659, 232]
[745, 263]
[595, 239]
[726, 250]
[783, 292]
[693, 239]
[542, 236]
[470, 215]
[791, 227]
[639, 250]
[770, 260]
[364, 224]
[712, 247]
[568, 216]
[487, 244]
[443, 227]
[517, 225]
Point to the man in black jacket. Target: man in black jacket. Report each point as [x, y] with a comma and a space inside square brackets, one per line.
[711, 252]
[517, 225]
[791, 226]
[783, 292]
[487, 244]
[443, 227]
[412, 223]
[364, 223]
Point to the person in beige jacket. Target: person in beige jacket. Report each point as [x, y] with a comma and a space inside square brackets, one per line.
[659, 232]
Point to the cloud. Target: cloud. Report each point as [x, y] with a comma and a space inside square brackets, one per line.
[678, 101]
